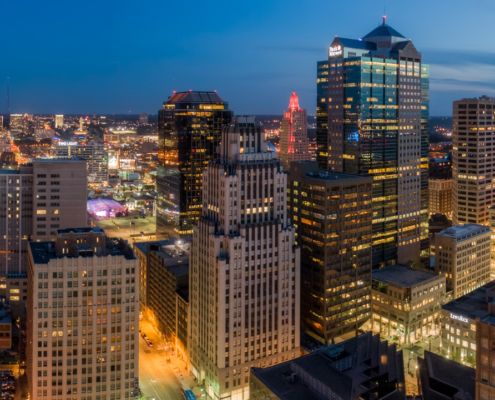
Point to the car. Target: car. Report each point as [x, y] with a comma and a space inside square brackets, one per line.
[150, 344]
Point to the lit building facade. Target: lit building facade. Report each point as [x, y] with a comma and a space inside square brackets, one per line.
[143, 118]
[377, 106]
[331, 212]
[59, 121]
[294, 143]
[38, 199]
[16, 124]
[407, 303]
[244, 276]
[95, 155]
[189, 130]
[459, 327]
[463, 253]
[472, 157]
[83, 317]
[440, 197]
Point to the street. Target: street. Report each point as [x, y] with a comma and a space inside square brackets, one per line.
[156, 379]
[159, 379]
[410, 355]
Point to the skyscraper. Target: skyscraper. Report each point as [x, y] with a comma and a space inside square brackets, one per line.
[377, 105]
[244, 275]
[294, 144]
[83, 317]
[331, 212]
[59, 121]
[189, 131]
[472, 160]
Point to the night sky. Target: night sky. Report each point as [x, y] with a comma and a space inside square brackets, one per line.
[113, 56]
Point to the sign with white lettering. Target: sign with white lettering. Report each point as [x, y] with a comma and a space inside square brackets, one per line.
[458, 318]
[335, 51]
[67, 143]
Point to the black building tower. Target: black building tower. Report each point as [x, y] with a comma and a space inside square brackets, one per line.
[189, 130]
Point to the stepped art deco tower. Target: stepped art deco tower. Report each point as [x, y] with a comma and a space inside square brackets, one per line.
[294, 144]
[244, 276]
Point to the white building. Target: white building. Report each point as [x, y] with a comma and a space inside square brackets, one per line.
[244, 276]
[463, 253]
[83, 317]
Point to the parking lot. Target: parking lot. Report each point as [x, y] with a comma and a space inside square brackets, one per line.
[132, 229]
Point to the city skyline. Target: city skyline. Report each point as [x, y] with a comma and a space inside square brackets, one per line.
[126, 73]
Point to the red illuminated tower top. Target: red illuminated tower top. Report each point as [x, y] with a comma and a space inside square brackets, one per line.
[294, 102]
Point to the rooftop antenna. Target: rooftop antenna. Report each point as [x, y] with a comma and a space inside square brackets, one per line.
[384, 17]
[7, 104]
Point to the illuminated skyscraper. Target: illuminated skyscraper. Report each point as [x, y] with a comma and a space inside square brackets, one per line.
[16, 125]
[473, 155]
[294, 144]
[143, 119]
[59, 121]
[244, 276]
[189, 131]
[377, 105]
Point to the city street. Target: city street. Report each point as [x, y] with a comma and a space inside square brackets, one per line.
[159, 379]
[156, 379]
[410, 355]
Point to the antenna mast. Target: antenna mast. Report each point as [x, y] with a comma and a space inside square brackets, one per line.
[7, 105]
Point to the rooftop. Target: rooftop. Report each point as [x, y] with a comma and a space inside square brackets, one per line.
[472, 305]
[384, 30]
[463, 232]
[195, 97]
[440, 375]
[402, 275]
[44, 252]
[339, 371]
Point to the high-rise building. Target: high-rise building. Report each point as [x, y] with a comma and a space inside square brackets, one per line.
[472, 157]
[95, 155]
[294, 143]
[83, 317]
[102, 120]
[332, 210]
[189, 131]
[244, 276]
[81, 123]
[16, 125]
[463, 253]
[440, 197]
[59, 121]
[143, 118]
[485, 340]
[377, 106]
[38, 199]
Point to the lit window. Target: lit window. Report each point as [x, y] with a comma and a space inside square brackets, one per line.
[40, 211]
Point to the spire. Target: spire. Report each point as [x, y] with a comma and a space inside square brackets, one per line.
[294, 102]
[384, 20]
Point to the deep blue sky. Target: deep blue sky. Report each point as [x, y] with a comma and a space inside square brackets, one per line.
[116, 56]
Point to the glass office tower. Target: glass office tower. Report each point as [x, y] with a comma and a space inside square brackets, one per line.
[377, 107]
[189, 131]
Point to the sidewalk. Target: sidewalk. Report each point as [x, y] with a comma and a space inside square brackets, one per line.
[176, 364]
